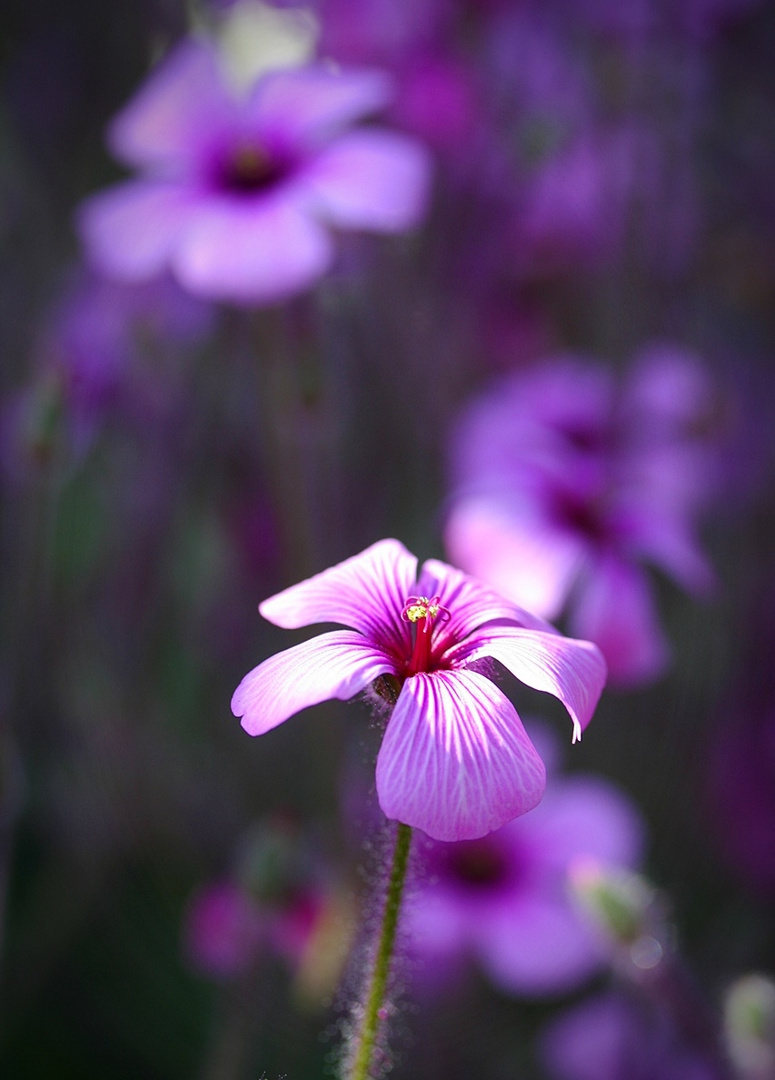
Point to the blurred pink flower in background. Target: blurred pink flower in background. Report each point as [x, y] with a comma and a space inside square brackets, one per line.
[567, 480]
[279, 902]
[615, 1037]
[237, 193]
[455, 759]
[503, 901]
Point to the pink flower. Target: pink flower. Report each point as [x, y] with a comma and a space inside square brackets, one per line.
[455, 759]
[236, 193]
[566, 484]
[503, 900]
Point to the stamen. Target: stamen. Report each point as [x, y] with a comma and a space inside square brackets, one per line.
[424, 607]
[423, 611]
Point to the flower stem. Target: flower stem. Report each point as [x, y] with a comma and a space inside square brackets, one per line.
[362, 1058]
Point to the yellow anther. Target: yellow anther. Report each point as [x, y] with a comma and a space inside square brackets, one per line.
[423, 607]
[419, 610]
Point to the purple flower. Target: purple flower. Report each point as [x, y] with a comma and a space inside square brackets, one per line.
[278, 900]
[612, 1037]
[236, 192]
[504, 900]
[455, 760]
[566, 483]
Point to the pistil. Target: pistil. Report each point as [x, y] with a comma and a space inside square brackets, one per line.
[423, 611]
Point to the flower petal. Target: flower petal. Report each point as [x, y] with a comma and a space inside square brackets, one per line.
[335, 665]
[131, 229]
[538, 945]
[183, 97]
[516, 550]
[615, 608]
[666, 540]
[308, 106]
[367, 592]
[251, 250]
[456, 761]
[372, 180]
[582, 816]
[574, 671]
[470, 604]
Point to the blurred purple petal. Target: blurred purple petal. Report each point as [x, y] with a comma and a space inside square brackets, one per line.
[183, 98]
[312, 105]
[585, 816]
[370, 179]
[537, 945]
[132, 230]
[520, 557]
[615, 608]
[237, 251]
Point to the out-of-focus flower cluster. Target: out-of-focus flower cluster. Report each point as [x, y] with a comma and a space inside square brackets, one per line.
[565, 482]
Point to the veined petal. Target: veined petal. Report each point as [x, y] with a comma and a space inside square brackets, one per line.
[183, 97]
[131, 229]
[367, 592]
[371, 180]
[470, 603]
[307, 106]
[335, 665]
[574, 671]
[455, 760]
[252, 250]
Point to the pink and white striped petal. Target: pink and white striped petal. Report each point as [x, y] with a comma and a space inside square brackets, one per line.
[470, 604]
[573, 671]
[335, 665]
[366, 592]
[455, 760]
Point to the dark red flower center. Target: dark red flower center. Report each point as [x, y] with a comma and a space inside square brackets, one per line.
[582, 515]
[250, 168]
[476, 864]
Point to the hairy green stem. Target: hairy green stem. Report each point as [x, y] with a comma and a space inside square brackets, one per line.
[362, 1058]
